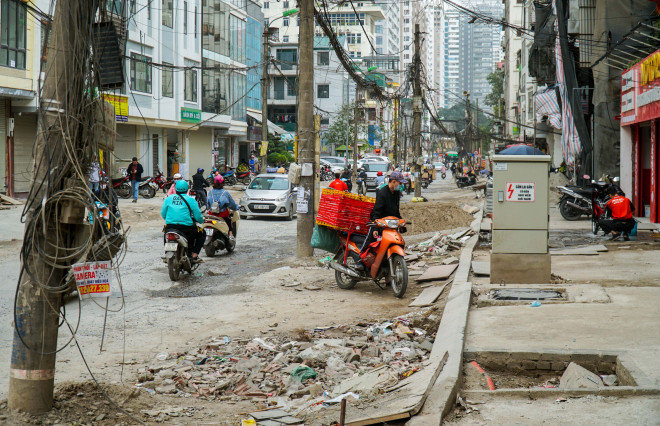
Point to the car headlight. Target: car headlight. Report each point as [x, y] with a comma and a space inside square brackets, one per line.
[282, 198]
[245, 198]
[392, 223]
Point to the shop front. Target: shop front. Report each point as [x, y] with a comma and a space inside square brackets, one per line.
[640, 136]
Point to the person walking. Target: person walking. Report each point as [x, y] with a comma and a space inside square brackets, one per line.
[94, 175]
[134, 172]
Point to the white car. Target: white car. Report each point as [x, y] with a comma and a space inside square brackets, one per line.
[269, 194]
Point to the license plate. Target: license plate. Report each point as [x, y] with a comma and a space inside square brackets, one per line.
[209, 231]
[171, 246]
[261, 207]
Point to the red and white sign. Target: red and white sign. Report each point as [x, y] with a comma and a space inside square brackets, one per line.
[93, 278]
[640, 91]
[523, 192]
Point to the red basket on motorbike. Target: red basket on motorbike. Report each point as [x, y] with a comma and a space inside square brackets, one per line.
[344, 211]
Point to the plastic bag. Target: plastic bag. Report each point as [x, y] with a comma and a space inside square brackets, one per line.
[325, 239]
[302, 373]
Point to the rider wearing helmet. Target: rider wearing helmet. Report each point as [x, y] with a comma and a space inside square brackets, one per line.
[225, 203]
[181, 212]
[172, 190]
[380, 179]
[199, 184]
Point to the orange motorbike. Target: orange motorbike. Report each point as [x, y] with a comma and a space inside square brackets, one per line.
[381, 260]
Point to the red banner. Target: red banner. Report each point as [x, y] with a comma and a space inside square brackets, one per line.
[640, 91]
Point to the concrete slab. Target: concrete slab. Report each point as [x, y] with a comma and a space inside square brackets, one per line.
[591, 250]
[628, 326]
[627, 267]
[435, 273]
[480, 268]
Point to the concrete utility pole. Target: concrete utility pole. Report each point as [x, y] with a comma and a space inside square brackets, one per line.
[356, 123]
[32, 371]
[417, 115]
[468, 123]
[263, 164]
[306, 139]
[395, 125]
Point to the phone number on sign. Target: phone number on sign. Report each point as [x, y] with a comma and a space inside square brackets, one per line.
[94, 288]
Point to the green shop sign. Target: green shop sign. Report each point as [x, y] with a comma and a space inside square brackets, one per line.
[191, 115]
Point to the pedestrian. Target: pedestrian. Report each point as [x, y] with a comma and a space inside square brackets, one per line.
[252, 163]
[94, 175]
[134, 172]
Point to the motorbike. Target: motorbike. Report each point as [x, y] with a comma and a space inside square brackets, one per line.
[348, 183]
[162, 183]
[122, 187]
[217, 233]
[147, 187]
[245, 177]
[230, 177]
[426, 180]
[361, 186]
[200, 201]
[326, 173]
[383, 260]
[177, 254]
[576, 201]
[464, 181]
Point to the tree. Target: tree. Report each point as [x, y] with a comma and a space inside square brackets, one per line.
[496, 80]
[277, 151]
[336, 133]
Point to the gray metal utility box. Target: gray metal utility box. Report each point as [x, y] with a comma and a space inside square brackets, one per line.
[520, 219]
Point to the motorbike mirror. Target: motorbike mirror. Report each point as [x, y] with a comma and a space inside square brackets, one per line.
[616, 180]
[593, 181]
[244, 188]
[586, 176]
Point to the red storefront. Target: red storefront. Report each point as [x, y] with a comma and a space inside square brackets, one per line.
[640, 128]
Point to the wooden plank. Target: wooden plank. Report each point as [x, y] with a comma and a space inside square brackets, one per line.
[10, 200]
[480, 268]
[428, 296]
[441, 272]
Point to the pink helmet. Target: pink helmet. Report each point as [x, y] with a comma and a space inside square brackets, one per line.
[218, 179]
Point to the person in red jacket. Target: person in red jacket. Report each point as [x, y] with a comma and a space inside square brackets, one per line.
[621, 221]
[338, 184]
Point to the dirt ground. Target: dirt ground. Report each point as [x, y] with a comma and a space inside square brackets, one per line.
[433, 216]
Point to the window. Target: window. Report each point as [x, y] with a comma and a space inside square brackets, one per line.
[168, 81]
[379, 29]
[406, 21]
[323, 58]
[12, 39]
[140, 73]
[285, 22]
[285, 4]
[266, 5]
[185, 17]
[190, 91]
[323, 91]
[148, 10]
[285, 39]
[288, 58]
[168, 13]
[359, 54]
[379, 39]
[354, 38]
[290, 87]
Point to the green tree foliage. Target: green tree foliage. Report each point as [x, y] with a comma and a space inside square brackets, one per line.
[336, 133]
[277, 151]
[496, 80]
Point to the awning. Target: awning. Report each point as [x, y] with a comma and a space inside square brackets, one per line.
[273, 128]
[638, 43]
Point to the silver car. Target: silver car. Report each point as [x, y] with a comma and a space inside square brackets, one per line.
[372, 169]
[269, 194]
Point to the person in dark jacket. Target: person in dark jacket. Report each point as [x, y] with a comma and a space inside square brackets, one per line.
[388, 197]
[134, 172]
[199, 184]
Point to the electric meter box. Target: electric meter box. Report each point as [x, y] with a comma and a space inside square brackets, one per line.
[520, 219]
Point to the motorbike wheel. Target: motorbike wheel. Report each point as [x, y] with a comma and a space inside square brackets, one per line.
[399, 281]
[124, 191]
[230, 245]
[209, 251]
[231, 180]
[201, 204]
[173, 268]
[344, 281]
[289, 218]
[568, 212]
[444, 175]
[147, 192]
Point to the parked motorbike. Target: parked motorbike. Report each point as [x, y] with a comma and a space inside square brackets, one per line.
[384, 261]
[147, 187]
[162, 183]
[326, 173]
[217, 233]
[576, 201]
[245, 177]
[177, 254]
[465, 181]
[230, 176]
[122, 187]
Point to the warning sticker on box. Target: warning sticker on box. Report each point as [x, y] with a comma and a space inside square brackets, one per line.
[520, 191]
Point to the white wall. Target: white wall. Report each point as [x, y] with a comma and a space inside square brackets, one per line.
[626, 160]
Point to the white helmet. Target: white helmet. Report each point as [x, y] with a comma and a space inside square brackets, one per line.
[177, 176]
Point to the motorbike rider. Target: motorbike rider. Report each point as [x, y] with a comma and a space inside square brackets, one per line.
[182, 213]
[621, 209]
[338, 184]
[380, 179]
[199, 184]
[362, 174]
[177, 177]
[225, 202]
[346, 177]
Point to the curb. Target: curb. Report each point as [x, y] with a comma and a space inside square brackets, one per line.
[450, 338]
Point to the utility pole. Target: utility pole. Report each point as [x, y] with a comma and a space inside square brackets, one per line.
[476, 127]
[265, 86]
[468, 123]
[32, 371]
[417, 116]
[356, 123]
[395, 126]
[306, 139]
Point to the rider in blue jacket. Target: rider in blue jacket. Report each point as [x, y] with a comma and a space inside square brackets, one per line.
[225, 203]
[179, 210]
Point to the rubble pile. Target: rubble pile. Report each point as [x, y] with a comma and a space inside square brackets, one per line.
[320, 366]
[439, 245]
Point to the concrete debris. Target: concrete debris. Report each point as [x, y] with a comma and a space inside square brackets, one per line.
[436, 248]
[576, 377]
[367, 360]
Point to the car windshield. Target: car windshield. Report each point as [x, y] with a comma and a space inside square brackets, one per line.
[438, 164]
[334, 160]
[270, 183]
[376, 167]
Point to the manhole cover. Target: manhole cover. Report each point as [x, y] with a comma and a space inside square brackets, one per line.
[525, 294]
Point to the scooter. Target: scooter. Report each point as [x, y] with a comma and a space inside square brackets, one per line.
[162, 183]
[326, 173]
[147, 187]
[200, 201]
[383, 260]
[463, 181]
[576, 201]
[217, 233]
[122, 187]
[177, 254]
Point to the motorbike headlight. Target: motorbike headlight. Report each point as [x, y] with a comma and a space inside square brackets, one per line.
[392, 223]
